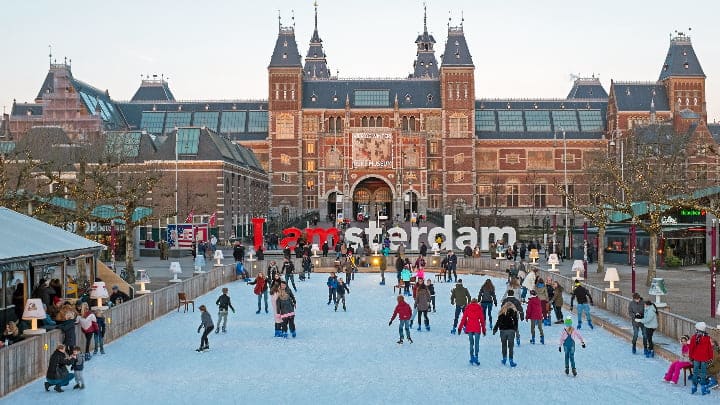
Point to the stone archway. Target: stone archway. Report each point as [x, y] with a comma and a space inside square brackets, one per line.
[372, 197]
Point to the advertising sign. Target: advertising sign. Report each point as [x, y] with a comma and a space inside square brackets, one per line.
[372, 150]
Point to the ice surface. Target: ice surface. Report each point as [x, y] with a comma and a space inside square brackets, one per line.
[352, 357]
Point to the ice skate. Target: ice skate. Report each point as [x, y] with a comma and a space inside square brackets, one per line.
[102, 350]
[409, 339]
[47, 386]
[532, 340]
[517, 340]
[579, 325]
[542, 340]
[344, 309]
[76, 386]
[58, 388]
[419, 328]
[512, 363]
[591, 325]
[504, 361]
[574, 372]
[399, 341]
[693, 390]
[217, 331]
[452, 331]
[567, 371]
[224, 330]
[257, 312]
[427, 328]
[293, 334]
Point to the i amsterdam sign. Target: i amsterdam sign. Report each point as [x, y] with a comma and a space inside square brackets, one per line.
[353, 235]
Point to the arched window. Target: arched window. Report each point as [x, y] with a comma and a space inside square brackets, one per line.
[364, 121]
[338, 123]
[331, 124]
[411, 127]
[372, 121]
[404, 123]
[380, 123]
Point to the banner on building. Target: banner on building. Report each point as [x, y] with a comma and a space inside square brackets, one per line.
[181, 236]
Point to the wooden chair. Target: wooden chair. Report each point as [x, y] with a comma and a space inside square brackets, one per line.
[440, 275]
[400, 286]
[685, 371]
[182, 300]
[413, 281]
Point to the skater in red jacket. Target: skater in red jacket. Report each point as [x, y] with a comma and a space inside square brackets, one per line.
[534, 314]
[402, 311]
[473, 319]
[701, 353]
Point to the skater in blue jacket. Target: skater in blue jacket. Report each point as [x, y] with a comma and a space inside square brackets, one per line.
[332, 284]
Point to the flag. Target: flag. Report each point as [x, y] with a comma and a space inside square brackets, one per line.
[213, 217]
[189, 218]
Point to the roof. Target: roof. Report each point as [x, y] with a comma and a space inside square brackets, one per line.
[315, 61]
[286, 52]
[681, 59]
[456, 49]
[130, 146]
[48, 85]
[714, 131]
[23, 109]
[26, 238]
[587, 88]
[372, 93]
[638, 96]
[98, 102]
[540, 118]
[153, 90]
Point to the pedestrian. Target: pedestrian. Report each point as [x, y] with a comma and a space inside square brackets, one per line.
[118, 297]
[700, 353]
[332, 284]
[88, 325]
[342, 288]
[431, 290]
[399, 265]
[207, 323]
[568, 336]
[557, 302]
[473, 320]
[306, 266]
[405, 276]
[286, 309]
[325, 249]
[528, 283]
[223, 303]
[583, 296]
[636, 311]
[57, 372]
[383, 266]
[507, 324]
[403, 312]
[487, 299]
[673, 373]
[288, 269]
[422, 304]
[261, 290]
[514, 286]
[535, 316]
[451, 265]
[272, 270]
[423, 249]
[77, 365]
[459, 296]
[542, 294]
[100, 334]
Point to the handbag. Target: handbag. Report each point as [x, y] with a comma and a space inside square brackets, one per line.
[93, 328]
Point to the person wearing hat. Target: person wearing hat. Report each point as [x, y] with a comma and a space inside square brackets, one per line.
[534, 315]
[673, 373]
[636, 310]
[567, 341]
[118, 297]
[459, 296]
[701, 354]
[583, 296]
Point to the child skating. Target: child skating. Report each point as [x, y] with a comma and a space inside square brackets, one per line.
[207, 323]
[332, 283]
[403, 312]
[567, 341]
[342, 289]
[78, 364]
[223, 302]
[701, 353]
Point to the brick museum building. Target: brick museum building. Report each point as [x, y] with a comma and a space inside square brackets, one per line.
[424, 143]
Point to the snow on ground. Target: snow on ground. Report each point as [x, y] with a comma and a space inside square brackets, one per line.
[353, 358]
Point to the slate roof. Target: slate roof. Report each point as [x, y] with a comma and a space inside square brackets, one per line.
[681, 59]
[21, 109]
[48, 85]
[25, 238]
[411, 93]
[587, 88]
[98, 102]
[714, 131]
[153, 90]
[130, 146]
[286, 52]
[425, 64]
[457, 52]
[315, 61]
[637, 96]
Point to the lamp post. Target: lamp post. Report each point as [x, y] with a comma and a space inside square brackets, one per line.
[633, 235]
[616, 134]
[713, 268]
[585, 247]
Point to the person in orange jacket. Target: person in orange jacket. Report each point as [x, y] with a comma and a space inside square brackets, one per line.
[473, 319]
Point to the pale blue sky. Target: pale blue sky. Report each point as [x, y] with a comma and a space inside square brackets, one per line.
[220, 49]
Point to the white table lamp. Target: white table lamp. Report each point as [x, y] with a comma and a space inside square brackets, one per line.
[534, 255]
[578, 267]
[142, 279]
[175, 270]
[611, 275]
[199, 264]
[34, 310]
[98, 292]
[218, 256]
[553, 261]
[657, 288]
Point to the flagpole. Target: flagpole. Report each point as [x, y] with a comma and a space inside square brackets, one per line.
[176, 178]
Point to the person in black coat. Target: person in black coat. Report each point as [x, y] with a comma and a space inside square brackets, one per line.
[57, 372]
[238, 252]
[18, 299]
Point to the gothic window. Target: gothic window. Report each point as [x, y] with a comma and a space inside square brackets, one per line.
[379, 121]
[372, 122]
[539, 195]
[285, 126]
[433, 148]
[364, 121]
[338, 123]
[277, 91]
[311, 202]
[310, 165]
[310, 148]
[435, 202]
[404, 125]
[450, 91]
[411, 124]
[285, 177]
[310, 184]
[466, 90]
[292, 92]
[331, 124]
[512, 192]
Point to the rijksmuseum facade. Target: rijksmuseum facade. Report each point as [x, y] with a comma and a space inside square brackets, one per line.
[426, 142]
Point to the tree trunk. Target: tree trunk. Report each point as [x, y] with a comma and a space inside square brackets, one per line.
[601, 249]
[129, 252]
[652, 259]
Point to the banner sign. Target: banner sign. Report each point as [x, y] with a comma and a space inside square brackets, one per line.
[372, 150]
[181, 236]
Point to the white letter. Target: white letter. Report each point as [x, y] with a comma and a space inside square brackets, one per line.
[415, 236]
[372, 231]
[462, 238]
[351, 236]
[401, 238]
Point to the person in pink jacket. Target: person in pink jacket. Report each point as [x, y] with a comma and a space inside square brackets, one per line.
[673, 373]
[567, 341]
[473, 319]
[534, 314]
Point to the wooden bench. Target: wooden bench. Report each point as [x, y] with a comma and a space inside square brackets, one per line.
[182, 300]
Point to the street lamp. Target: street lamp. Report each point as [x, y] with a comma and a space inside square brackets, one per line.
[617, 134]
[564, 157]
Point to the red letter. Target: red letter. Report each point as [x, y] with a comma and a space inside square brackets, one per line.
[322, 233]
[258, 236]
[293, 234]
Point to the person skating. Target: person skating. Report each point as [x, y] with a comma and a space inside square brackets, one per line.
[223, 303]
[78, 364]
[528, 283]
[403, 312]
[487, 299]
[57, 372]
[473, 320]
[673, 373]
[286, 309]
[650, 322]
[507, 324]
[459, 296]
[542, 294]
[557, 302]
[306, 266]
[636, 311]
[583, 296]
[431, 290]
[535, 316]
[700, 353]
[207, 323]
[332, 284]
[342, 289]
[288, 269]
[422, 304]
[261, 290]
[405, 275]
[383, 265]
[274, 291]
[451, 268]
[518, 308]
[568, 336]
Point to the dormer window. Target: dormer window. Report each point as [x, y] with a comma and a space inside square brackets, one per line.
[429, 98]
[457, 43]
[285, 44]
[207, 107]
[665, 67]
[684, 53]
[686, 65]
[627, 91]
[408, 98]
[284, 55]
[335, 98]
[313, 98]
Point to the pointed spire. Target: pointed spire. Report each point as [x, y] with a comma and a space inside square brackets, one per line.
[315, 61]
[286, 52]
[424, 17]
[425, 64]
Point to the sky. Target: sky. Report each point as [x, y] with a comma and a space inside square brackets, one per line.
[220, 49]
